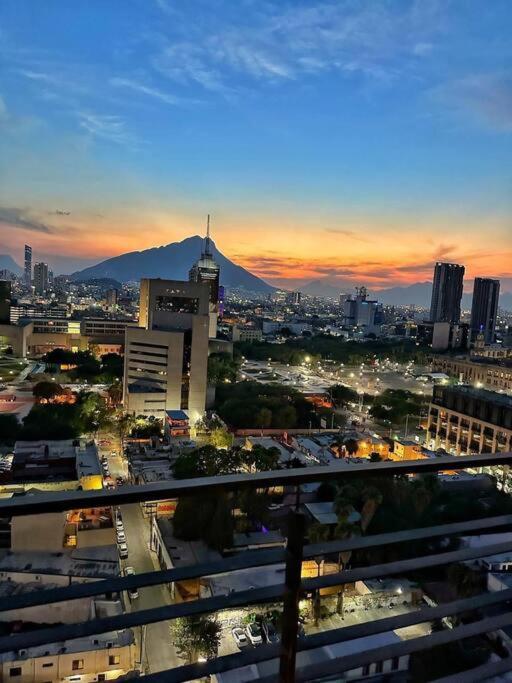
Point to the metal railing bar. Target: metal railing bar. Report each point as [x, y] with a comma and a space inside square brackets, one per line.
[66, 500]
[402, 566]
[332, 636]
[149, 616]
[237, 599]
[364, 542]
[245, 560]
[479, 673]
[406, 647]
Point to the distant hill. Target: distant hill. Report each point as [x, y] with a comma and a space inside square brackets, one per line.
[8, 263]
[172, 261]
[417, 294]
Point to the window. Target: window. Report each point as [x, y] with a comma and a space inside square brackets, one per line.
[395, 663]
[47, 665]
[177, 304]
[113, 659]
[366, 670]
[77, 664]
[378, 667]
[15, 671]
[102, 677]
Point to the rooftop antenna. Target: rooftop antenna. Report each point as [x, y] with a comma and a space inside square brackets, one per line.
[207, 241]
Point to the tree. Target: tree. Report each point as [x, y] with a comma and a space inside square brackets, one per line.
[220, 437]
[222, 367]
[115, 393]
[375, 457]
[351, 446]
[342, 395]
[195, 637]
[112, 366]
[123, 424]
[46, 392]
[9, 428]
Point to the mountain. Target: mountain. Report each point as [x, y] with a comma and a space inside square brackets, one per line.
[172, 261]
[8, 263]
[417, 294]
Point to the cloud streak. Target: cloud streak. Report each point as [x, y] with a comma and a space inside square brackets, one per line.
[20, 218]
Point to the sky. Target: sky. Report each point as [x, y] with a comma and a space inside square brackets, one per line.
[353, 140]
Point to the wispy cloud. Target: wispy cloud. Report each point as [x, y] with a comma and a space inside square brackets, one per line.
[20, 218]
[107, 127]
[485, 97]
[352, 234]
[282, 42]
[150, 91]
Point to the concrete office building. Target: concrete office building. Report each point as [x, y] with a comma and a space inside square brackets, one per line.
[27, 272]
[464, 420]
[40, 278]
[166, 357]
[446, 293]
[484, 308]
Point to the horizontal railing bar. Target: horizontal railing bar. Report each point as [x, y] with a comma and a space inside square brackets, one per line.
[248, 559]
[236, 599]
[402, 566]
[66, 500]
[140, 617]
[365, 542]
[245, 560]
[479, 673]
[332, 636]
[406, 647]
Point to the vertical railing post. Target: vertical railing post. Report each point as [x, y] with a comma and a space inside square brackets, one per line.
[290, 621]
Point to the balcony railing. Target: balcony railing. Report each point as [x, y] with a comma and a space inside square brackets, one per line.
[290, 591]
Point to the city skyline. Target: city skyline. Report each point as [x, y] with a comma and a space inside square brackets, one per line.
[350, 141]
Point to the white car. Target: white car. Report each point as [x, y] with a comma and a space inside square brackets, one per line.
[239, 636]
[119, 524]
[133, 593]
[121, 536]
[123, 551]
[254, 634]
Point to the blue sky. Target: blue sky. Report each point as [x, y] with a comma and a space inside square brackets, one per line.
[347, 139]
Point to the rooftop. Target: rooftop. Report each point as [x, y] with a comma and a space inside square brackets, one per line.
[98, 561]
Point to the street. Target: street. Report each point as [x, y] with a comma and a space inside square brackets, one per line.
[158, 653]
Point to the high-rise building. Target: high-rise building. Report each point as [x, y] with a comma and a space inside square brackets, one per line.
[166, 357]
[361, 312]
[446, 293]
[111, 297]
[40, 278]
[484, 308]
[207, 270]
[5, 302]
[27, 275]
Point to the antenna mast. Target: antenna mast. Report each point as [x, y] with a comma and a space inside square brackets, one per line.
[207, 242]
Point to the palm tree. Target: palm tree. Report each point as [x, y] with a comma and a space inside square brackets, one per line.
[318, 533]
[344, 529]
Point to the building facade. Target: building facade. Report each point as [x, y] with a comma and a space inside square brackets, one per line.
[484, 308]
[494, 375]
[40, 278]
[447, 293]
[166, 357]
[463, 420]
[27, 271]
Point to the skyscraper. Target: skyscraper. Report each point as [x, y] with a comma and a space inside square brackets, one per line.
[27, 275]
[207, 270]
[484, 308]
[166, 357]
[447, 293]
[40, 278]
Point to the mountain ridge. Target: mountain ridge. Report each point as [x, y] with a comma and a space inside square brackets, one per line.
[172, 261]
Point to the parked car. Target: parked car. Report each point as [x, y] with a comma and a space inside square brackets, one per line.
[254, 634]
[133, 593]
[269, 631]
[239, 636]
[123, 550]
[119, 524]
[121, 536]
